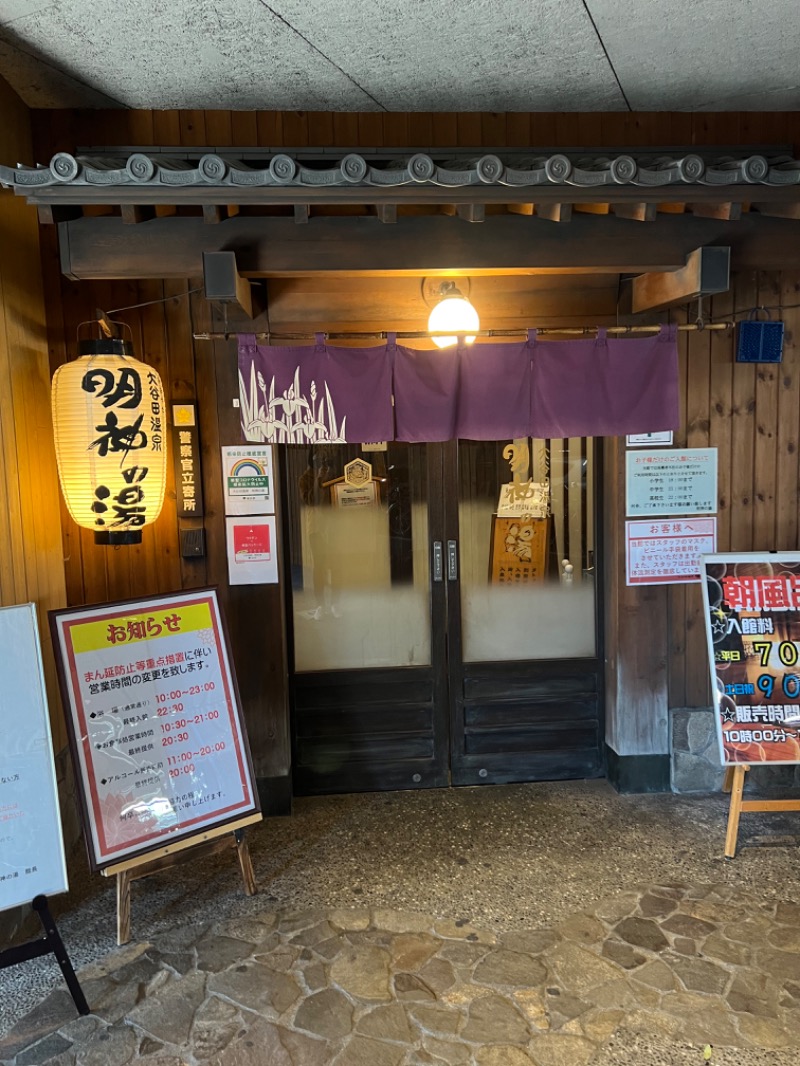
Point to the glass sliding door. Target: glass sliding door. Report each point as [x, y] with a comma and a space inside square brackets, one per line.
[444, 607]
[368, 711]
[525, 674]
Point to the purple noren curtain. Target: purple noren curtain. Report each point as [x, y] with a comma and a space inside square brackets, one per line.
[497, 391]
[605, 388]
[314, 393]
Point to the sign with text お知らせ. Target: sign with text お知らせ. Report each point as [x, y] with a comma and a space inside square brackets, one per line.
[752, 608]
[31, 846]
[155, 723]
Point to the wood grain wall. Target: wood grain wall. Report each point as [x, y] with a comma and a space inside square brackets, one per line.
[64, 130]
[752, 414]
[30, 524]
[207, 374]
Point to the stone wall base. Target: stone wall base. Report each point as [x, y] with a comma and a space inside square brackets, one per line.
[695, 762]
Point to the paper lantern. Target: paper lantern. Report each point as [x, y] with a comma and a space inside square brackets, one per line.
[108, 417]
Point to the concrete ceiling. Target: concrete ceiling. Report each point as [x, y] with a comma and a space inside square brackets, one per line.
[421, 55]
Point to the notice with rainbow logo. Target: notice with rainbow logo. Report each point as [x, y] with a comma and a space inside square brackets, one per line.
[247, 479]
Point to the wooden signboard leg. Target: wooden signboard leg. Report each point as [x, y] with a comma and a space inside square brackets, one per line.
[245, 863]
[124, 906]
[167, 858]
[734, 783]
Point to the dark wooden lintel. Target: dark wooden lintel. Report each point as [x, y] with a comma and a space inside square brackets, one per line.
[423, 245]
[264, 196]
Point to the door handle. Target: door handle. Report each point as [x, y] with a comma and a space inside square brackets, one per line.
[452, 560]
[438, 561]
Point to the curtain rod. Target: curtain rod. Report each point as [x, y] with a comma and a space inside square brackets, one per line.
[689, 327]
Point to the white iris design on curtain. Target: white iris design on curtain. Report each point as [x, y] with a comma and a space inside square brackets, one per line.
[290, 418]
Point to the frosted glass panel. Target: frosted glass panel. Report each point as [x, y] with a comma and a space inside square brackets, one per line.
[359, 569]
[527, 587]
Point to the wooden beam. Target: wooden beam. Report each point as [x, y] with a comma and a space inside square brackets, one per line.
[381, 303]
[265, 196]
[471, 212]
[554, 212]
[423, 246]
[222, 281]
[730, 212]
[778, 210]
[50, 215]
[635, 212]
[707, 271]
[213, 214]
[133, 214]
[387, 213]
[301, 212]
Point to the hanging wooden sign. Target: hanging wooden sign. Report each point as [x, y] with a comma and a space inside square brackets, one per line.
[518, 550]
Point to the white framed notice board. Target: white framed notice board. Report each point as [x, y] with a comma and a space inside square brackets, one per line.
[31, 846]
[155, 722]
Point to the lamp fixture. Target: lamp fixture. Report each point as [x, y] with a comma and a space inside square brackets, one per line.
[109, 420]
[453, 312]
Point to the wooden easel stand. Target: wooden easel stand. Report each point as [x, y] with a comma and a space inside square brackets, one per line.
[734, 783]
[51, 943]
[167, 858]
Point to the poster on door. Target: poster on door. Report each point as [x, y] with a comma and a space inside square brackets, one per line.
[752, 611]
[155, 724]
[31, 846]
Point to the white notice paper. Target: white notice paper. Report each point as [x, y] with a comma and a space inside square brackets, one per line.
[31, 848]
[680, 481]
[248, 479]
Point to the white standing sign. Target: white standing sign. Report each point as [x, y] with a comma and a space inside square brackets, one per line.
[31, 847]
[155, 722]
[671, 482]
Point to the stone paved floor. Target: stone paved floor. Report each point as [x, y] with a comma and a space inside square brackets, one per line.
[618, 968]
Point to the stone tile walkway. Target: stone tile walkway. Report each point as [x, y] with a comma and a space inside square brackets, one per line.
[651, 975]
[550, 924]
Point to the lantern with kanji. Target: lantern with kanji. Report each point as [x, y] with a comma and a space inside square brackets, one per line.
[109, 416]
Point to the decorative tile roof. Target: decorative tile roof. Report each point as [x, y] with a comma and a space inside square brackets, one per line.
[516, 171]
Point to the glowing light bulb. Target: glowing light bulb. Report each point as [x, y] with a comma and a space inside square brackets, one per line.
[453, 312]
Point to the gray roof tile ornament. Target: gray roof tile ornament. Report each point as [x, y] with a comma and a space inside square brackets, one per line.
[512, 169]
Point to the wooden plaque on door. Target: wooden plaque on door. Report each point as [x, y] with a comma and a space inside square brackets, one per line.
[519, 550]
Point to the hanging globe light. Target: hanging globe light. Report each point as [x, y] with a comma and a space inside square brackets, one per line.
[109, 423]
[453, 312]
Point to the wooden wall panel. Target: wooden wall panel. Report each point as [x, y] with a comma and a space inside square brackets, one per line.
[31, 567]
[296, 129]
[753, 420]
